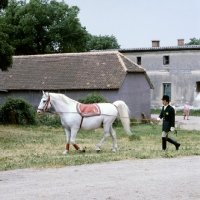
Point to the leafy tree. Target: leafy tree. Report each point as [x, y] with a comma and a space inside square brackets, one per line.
[44, 26]
[3, 4]
[102, 42]
[193, 41]
[6, 50]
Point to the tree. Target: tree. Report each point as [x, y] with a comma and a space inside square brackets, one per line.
[193, 41]
[43, 26]
[3, 4]
[102, 42]
[6, 50]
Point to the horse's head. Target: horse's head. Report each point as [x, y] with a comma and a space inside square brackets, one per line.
[45, 103]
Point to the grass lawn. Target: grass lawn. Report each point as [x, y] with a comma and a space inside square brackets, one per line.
[42, 146]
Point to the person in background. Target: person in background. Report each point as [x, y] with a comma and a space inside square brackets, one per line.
[168, 116]
[186, 110]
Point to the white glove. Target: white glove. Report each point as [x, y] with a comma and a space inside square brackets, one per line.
[172, 129]
[158, 119]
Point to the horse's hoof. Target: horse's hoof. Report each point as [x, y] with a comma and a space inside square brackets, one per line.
[114, 150]
[82, 150]
[65, 152]
[97, 151]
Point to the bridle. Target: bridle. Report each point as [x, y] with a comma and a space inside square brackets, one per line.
[46, 105]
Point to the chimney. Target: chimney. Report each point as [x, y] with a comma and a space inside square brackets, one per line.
[180, 42]
[155, 43]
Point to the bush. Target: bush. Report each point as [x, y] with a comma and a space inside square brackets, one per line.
[17, 111]
[49, 120]
[93, 98]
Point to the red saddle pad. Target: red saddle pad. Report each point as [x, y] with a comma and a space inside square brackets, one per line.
[88, 110]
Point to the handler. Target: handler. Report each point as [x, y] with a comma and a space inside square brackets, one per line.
[168, 115]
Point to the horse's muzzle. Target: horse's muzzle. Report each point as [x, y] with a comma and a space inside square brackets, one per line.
[40, 111]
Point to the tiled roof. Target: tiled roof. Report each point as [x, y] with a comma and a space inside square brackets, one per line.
[93, 70]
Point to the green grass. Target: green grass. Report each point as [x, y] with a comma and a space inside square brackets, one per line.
[42, 146]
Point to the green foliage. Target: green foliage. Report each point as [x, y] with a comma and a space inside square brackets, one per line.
[93, 98]
[6, 52]
[44, 26]
[17, 111]
[193, 41]
[3, 4]
[48, 120]
[102, 42]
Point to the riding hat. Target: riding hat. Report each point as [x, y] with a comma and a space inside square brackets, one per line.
[165, 97]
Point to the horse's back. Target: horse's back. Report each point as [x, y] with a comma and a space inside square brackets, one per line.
[108, 108]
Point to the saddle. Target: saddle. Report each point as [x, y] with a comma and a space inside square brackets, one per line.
[88, 110]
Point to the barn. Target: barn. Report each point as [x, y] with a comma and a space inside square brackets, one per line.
[76, 75]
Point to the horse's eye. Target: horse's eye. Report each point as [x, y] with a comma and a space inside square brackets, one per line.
[44, 101]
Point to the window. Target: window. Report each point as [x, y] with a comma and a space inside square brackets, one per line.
[165, 60]
[139, 62]
[167, 89]
[198, 86]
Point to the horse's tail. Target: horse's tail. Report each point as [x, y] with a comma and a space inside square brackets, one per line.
[124, 115]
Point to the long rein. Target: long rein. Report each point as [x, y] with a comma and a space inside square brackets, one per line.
[45, 109]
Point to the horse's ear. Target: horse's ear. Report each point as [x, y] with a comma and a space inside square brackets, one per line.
[43, 92]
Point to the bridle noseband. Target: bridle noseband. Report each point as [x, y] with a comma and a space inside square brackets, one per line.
[46, 105]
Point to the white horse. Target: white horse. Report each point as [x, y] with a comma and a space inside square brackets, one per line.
[72, 120]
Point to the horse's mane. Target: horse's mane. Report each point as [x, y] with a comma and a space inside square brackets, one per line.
[63, 98]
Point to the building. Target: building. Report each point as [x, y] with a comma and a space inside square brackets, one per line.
[173, 70]
[111, 74]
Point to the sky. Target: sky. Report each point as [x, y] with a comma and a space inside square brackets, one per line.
[135, 23]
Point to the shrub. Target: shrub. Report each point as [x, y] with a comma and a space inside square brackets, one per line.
[49, 120]
[17, 111]
[93, 98]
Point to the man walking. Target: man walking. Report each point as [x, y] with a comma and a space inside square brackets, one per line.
[168, 116]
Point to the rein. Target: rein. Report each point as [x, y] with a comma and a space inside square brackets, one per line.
[45, 109]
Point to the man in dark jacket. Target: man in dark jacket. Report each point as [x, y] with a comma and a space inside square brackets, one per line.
[168, 116]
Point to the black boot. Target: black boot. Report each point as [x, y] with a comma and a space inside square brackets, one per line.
[177, 145]
[164, 143]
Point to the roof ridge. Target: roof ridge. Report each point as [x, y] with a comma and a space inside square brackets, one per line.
[125, 57]
[65, 54]
[121, 61]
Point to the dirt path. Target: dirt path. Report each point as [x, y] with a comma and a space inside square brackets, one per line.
[176, 178]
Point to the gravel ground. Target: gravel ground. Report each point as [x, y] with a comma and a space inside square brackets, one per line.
[147, 179]
[176, 178]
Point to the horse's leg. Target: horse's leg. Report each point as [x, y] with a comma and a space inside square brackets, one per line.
[113, 134]
[73, 138]
[106, 135]
[67, 131]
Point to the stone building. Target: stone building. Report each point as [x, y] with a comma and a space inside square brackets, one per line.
[173, 70]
